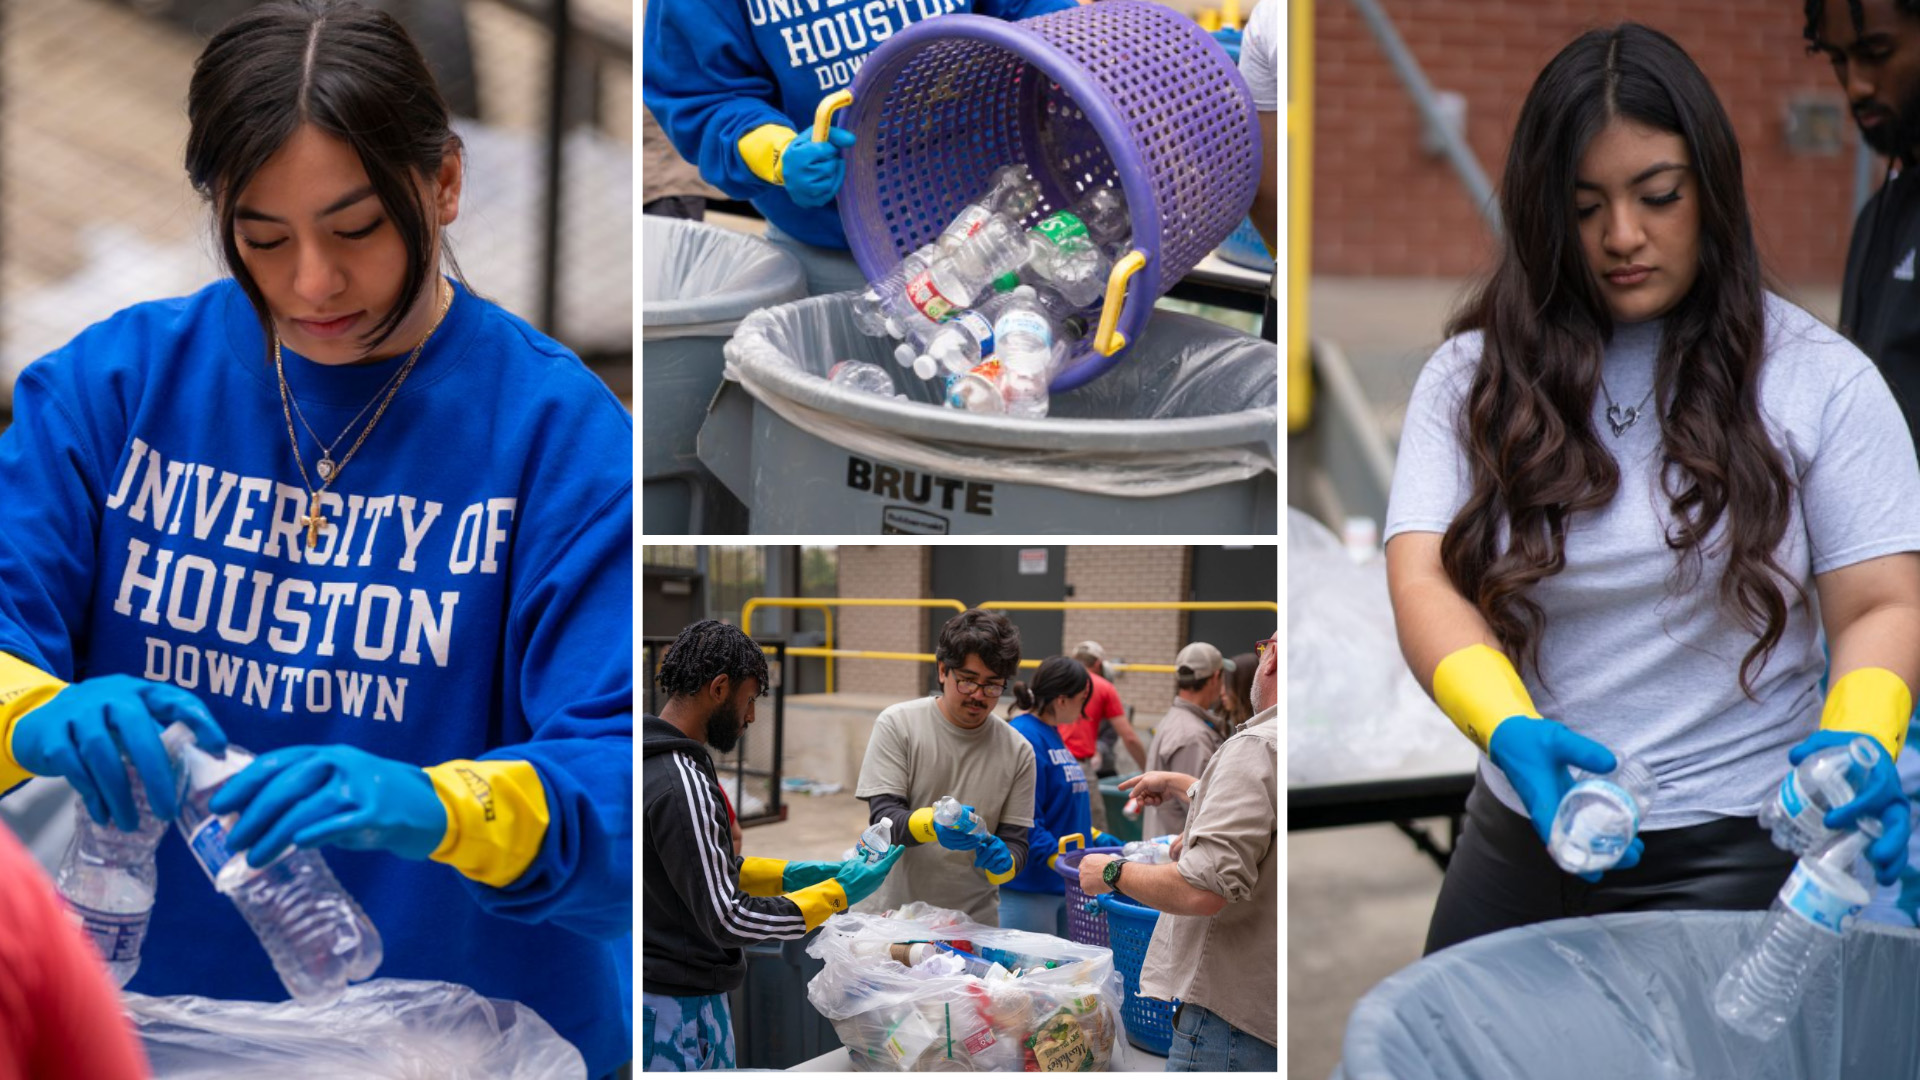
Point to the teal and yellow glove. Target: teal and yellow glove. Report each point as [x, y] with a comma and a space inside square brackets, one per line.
[81, 732]
[859, 878]
[1482, 694]
[799, 875]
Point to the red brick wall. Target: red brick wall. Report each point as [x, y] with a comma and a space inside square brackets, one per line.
[1383, 207]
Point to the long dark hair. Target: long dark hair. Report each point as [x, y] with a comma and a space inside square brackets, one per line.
[354, 74]
[1058, 677]
[1534, 456]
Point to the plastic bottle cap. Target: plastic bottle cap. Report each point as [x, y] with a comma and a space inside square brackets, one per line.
[1006, 282]
[904, 353]
[1024, 292]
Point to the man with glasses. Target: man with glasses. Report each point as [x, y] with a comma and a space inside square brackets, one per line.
[952, 744]
[1215, 947]
[1190, 732]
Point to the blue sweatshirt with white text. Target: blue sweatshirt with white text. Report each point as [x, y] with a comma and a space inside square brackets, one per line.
[714, 70]
[1060, 806]
[471, 598]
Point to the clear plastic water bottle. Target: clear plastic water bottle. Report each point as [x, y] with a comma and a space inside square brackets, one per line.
[862, 376]
[1157, 850]
[983, 389]
[946, 811]
[109, 878]
[1027, 349]
[316, 935]
[883, 309]
[1600, 815]
[1011, 191]
[1071, 248]
[956, 279]
[876, 841]
[1796, 815]
[1763, 988]
[958, 346]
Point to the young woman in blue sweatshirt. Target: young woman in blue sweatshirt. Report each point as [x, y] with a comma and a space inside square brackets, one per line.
[349, 514]
[732, 81]
[1036, 897]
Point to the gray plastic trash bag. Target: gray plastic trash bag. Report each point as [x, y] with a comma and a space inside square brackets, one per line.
[701, 280]
[1630, 997]
[1193, 405]
[387, 1029]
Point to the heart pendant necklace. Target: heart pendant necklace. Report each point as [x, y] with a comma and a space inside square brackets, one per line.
[1618, 418]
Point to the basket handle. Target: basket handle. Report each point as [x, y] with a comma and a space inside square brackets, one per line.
[1107, 340]
[1082, 837]
[823, 116]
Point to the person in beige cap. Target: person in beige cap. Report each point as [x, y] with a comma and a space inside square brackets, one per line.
[1190, 732]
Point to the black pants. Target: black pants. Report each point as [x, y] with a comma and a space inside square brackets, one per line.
[1501, 876]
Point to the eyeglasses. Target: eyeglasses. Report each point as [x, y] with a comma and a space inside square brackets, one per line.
[1262, 646]
[968, 686]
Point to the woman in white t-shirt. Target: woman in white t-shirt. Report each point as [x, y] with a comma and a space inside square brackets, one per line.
[1636, 494]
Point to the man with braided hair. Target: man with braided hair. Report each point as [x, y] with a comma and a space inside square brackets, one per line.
[701, 901]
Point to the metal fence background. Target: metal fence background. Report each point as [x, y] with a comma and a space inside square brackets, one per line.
[96, 212]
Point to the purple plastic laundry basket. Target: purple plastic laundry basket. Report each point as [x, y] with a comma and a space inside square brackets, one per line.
[1117, 93]
[1086, 924]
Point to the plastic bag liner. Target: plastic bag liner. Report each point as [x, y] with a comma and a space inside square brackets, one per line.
[894, 1018]
[1194, 405]
[389, 1029]
[699, 280]
[1630, 997]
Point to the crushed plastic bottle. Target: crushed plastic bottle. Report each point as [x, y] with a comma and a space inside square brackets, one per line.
[862, 376]
[1796, 815]
[1600, 815]
[314, 932]
[1761, 992]
[1071, 248]
[876, 841]
[983, 389]
[1156, 850]
[109, 877]
[946, 811]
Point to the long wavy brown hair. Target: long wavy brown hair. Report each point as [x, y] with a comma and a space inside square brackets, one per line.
[1535, 459]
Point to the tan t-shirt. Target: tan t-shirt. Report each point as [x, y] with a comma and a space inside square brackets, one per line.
[1229, 963]
[1184, 742]
[919, 755]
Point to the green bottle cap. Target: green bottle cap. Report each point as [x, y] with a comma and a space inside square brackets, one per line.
[1006, 282]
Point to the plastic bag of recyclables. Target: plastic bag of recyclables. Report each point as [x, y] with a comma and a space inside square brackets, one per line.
[900, 1001]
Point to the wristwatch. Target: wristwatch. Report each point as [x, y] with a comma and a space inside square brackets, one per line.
[1110, 875]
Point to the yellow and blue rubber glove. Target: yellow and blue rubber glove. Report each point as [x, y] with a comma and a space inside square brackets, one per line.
[80, 733]
[486, 819]
[994, 857]
[818, 889]
[1482, 694]
[1877, 703]
[812, 172]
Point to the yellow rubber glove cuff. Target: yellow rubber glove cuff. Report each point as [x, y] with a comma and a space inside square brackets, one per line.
[761, 877]
[1002, 879]
[762, 149]
[920, 824]
[496, 818]
[23, 688]
[1870, 701]
[1477, 688]
[816, 902]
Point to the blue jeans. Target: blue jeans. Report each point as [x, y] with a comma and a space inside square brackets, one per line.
[685, 1034]
[1036, 912]
[1202, 1042]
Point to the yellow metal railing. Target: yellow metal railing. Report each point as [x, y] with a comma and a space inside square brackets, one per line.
[826, 604]
[1299, 210]
[1133, 605]
[929, 658]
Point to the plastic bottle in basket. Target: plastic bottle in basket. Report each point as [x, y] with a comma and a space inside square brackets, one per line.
[108, 877]
[862, 376]
[1796, 815]
[316, 935]
[1029, 349]
[955, 280]
[1011, 191]
[883, 310]
[1762, 990]
[1600, 816]
[1070, 248]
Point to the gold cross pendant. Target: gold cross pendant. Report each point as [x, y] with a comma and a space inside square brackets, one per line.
[314, 521]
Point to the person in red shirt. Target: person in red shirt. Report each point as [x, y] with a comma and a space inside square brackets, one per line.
[59, 1016]
[1086, 740]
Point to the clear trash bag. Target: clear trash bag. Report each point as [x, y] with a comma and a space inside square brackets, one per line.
[386, 1029]
[895, 1018]
[1194, 404]
[700, 280]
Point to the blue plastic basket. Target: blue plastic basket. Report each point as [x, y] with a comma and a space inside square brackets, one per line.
[1085, 922]
[1130, 926]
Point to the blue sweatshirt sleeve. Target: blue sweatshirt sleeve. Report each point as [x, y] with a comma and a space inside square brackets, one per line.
[572, 629]
[1015, 10]
[704, 80]
[1042, 842]
[51, 488]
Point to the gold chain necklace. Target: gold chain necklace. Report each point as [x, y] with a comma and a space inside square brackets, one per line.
[315, 521]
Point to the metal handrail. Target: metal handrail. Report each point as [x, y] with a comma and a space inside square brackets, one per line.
[1133, 605]
[826, 604]
[929, 658]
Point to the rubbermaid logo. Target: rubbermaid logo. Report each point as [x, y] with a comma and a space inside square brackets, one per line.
[905, 519]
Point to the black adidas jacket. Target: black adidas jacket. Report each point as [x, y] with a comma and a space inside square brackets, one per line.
[694, 916]
[1880, 297]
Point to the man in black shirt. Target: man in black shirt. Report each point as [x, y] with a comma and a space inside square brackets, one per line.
[1874, 47]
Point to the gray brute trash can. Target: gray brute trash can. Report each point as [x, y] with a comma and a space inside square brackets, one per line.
[1180, 437]
[1630, 997]
[697, 282]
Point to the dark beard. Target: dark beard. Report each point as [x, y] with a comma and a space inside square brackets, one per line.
[723, 728]
[1900, 135]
